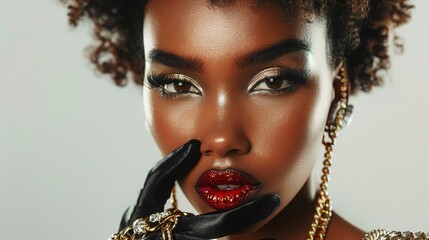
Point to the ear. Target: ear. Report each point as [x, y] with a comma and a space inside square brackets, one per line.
[338, 73]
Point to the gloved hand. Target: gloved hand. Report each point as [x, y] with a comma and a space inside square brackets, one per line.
[157, 189]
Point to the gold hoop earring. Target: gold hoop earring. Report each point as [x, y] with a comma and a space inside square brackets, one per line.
[323, 213]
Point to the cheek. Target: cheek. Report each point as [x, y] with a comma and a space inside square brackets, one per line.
[170, 122]
[287, 140]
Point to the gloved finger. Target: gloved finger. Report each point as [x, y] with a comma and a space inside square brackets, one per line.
[162, 177]
[222, 223]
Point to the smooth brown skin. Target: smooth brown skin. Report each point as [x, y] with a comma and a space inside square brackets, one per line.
[275, 138]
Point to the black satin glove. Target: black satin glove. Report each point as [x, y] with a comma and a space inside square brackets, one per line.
[157, 189]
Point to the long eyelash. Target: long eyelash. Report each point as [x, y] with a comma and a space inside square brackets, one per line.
[158, 81]
[296, 77]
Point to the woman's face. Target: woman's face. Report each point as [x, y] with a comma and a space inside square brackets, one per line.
[254, 88]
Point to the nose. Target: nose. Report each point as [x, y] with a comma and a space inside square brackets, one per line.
[223, 129]
[224, 143]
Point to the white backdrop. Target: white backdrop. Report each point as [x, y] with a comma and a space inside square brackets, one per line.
[74, 151]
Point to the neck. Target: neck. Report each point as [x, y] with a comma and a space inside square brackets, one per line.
[293, 222]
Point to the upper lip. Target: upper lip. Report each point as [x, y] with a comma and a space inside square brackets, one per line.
[229, 176]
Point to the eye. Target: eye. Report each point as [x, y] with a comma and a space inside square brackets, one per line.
[174, 85]
[272, 83]
[180, 87]
[276, 80]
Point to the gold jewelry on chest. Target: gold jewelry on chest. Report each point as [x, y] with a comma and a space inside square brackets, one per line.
[383, 234]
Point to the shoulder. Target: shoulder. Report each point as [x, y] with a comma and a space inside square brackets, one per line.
[340, 229]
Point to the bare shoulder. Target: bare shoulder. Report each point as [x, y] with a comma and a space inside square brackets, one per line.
[340, 229]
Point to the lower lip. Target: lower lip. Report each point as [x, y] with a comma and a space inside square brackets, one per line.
[226, 198]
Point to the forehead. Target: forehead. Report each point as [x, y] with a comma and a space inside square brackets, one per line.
[196, 27]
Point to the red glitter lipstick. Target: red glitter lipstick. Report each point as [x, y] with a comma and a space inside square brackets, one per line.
[226, 189]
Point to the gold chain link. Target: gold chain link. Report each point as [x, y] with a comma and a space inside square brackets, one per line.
[323, 213]
[384, 234]
[165, 221]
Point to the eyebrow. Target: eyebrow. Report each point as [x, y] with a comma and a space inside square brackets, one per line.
[264, 55]
[273, 52]
[175, 61]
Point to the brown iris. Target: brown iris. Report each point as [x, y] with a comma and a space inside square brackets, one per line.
[182, 87]
[274, 83]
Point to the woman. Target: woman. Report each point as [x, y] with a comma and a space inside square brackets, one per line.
[258, 84]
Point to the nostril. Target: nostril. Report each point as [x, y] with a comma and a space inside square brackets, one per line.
[206, 152]
[229, 152]
[233, 144]
[235, 152]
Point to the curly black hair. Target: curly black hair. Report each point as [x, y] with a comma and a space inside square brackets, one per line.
[359, 33]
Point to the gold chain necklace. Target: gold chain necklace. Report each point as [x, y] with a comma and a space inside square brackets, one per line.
[323, 213]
